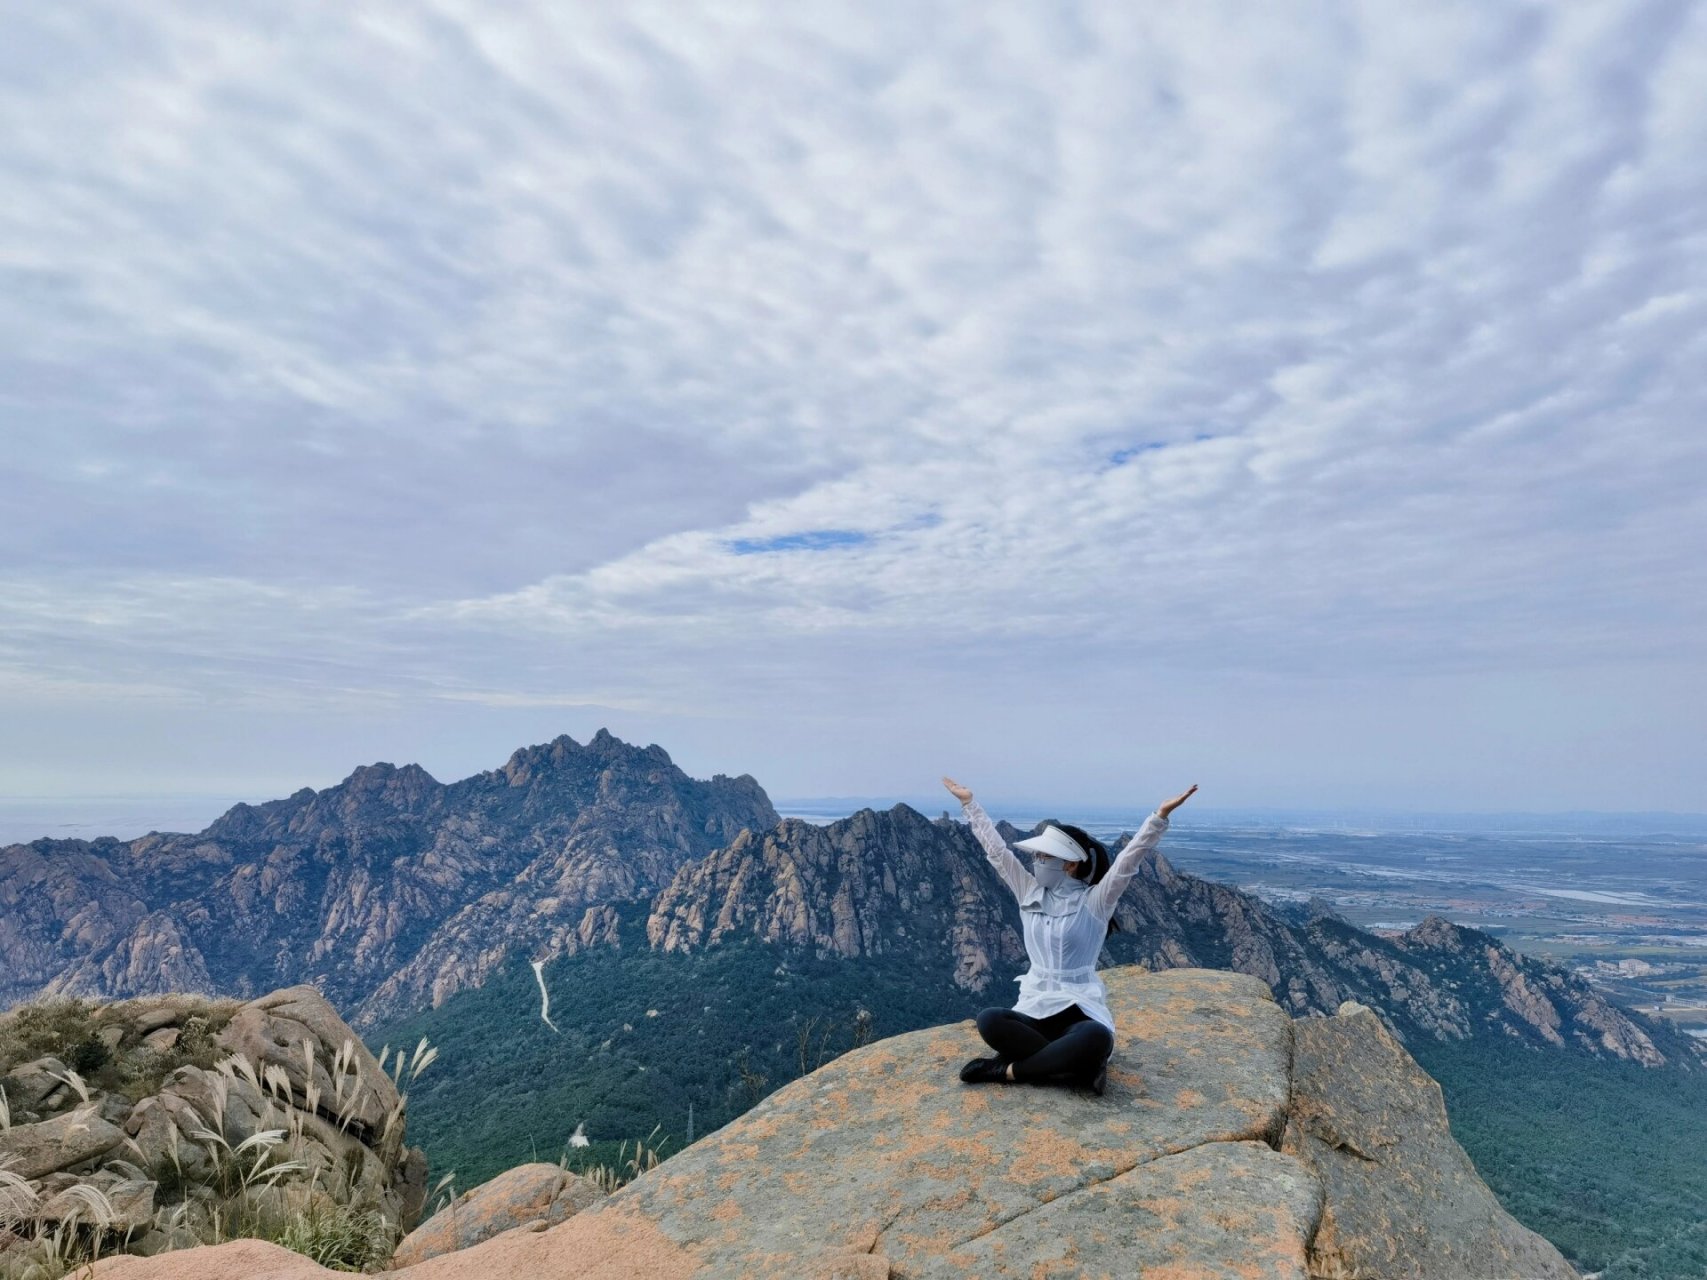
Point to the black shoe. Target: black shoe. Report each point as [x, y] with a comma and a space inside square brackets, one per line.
[985, 1071]
[1094, 1084]
[1099, 1082]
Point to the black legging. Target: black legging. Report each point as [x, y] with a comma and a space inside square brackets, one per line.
[1066, 1044]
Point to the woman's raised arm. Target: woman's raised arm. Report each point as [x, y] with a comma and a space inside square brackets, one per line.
[1105, 894]
[1012, 871]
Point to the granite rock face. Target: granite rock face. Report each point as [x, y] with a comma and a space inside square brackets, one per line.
[1400, 1197]
[874, 884]
[1205, 1160]
[540, 1194]
[390, 892]
[35, 1150]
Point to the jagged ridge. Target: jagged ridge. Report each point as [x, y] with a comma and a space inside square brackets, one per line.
[879, 883]
[389, 891]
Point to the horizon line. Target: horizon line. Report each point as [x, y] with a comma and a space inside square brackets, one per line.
[917, 802]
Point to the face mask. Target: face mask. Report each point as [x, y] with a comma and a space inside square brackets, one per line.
[1049, 874]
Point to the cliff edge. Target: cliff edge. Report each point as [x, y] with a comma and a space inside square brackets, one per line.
[1232, 1142]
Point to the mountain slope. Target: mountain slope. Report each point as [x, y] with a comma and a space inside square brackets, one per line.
[898, 884]
[387, 891]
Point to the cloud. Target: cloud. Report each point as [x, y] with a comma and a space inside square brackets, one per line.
[407, 353]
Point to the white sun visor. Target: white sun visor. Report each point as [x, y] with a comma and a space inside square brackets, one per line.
[1054, 841]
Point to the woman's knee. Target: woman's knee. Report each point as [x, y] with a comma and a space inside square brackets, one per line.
[989, 1019]
[1095, 1038]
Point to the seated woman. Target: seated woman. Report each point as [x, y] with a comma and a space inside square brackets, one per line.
[1061, 1029]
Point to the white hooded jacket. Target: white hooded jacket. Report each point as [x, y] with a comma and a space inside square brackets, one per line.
[1065, 926]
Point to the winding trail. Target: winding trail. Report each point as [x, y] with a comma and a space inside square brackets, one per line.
[544, 996]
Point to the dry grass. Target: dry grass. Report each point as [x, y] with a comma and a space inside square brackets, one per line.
[647, 1155]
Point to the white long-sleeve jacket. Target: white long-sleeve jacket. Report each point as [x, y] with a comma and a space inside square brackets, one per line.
[1064, 927]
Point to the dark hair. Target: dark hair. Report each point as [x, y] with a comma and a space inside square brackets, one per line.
[1096, 853]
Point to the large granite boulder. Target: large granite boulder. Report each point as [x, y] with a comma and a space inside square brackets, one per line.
[530, 1193]
[1208, 1157]
[297, 1031]
[65, 1141]
[1400, 1196]
[37, 1086]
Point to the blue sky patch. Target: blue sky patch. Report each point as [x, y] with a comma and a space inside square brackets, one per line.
[810, 540]
[1120, 456]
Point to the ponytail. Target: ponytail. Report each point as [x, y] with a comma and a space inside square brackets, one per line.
[1096, 854]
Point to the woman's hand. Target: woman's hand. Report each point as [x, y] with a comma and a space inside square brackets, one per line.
[959, 792]
[1167, 807]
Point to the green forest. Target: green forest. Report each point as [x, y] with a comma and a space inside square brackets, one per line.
[1603, 1158]
[645, 1037]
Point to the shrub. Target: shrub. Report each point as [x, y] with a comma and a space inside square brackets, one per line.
[45, 1027]
[88, 1056]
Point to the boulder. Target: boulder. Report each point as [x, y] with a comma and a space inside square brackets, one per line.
[540, 1193]
[940, 1178]
[239, 1260]
[162, 1039]
[114, 1108]
[160, 1131]
[153, 1013]
[1401, 1199]
[132, 1204]
[36, 1085]
[32, 1150]
[272, 1032]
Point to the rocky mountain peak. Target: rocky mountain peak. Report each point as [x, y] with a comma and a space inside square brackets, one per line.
[1439, 932]
[388, 886]
[384, 790]
[383, 775]
[564, 765]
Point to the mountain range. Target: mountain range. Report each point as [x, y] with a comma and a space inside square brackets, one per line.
[391, 892]
[388, 891]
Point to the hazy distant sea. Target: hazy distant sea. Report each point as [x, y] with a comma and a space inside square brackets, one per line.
[1114, 818]
[25, 818]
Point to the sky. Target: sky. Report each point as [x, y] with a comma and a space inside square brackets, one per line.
[1083, 401]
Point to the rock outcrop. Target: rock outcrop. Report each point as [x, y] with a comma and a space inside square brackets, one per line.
[1400, 1197]
[1220, 1149]
[33, 1151]
[390, 891]
[530, 1195]
[187, 1107]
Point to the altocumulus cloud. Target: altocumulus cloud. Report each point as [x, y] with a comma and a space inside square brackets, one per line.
[670, 358]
